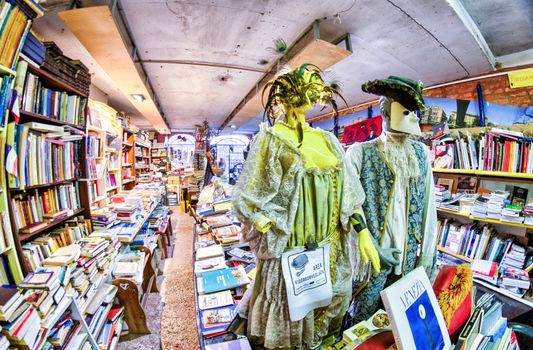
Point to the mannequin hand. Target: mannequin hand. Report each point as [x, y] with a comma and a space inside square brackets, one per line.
[368, 250]
[389, 257]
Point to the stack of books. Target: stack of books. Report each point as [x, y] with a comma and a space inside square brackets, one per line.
[33, 50]
[103, 218]
[496, 204]
[72, 72]
[481, 206]
[441, 194]
[511, 213]
[129, 264]
[44, 247]
[453, 203]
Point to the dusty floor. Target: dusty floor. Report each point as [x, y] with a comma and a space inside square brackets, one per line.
[171, 313]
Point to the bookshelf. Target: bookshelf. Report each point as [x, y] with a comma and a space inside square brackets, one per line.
[160, 158]
[128, 159]
[60, 170]
[104, 121]
[142, 156]
[9, 252]
[485, 152]
[490, 221]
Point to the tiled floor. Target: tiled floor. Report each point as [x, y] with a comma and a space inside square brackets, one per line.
[171, 313]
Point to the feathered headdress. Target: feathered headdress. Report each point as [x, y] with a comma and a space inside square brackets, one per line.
[302, 86]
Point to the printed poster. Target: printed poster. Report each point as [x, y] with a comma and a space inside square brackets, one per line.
[307, 280]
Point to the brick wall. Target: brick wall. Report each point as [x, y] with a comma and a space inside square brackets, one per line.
[495, 90]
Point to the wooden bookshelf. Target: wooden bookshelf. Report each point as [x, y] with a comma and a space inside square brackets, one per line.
[491, 221]
[127, 159]
[26, 116]
[54, 82]
[51, 184]
[27, 236]
[458, 256]
[48, 80]
[6, 71]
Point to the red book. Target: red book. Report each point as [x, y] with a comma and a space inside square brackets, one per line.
[24, 319]
[33, 227]
[506, 155]
[115, 312]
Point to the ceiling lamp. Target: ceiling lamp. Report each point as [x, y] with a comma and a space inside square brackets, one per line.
[138, 97]
[97, 29]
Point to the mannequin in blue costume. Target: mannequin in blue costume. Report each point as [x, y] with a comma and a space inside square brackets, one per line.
[399, 207]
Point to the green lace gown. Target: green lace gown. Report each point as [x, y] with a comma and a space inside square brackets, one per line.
[282, 205]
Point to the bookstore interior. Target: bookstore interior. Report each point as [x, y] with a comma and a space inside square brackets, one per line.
[304, 174]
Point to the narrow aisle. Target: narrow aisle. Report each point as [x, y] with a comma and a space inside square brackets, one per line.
[178, 323]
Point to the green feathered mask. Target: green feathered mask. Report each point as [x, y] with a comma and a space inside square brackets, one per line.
[301, 87]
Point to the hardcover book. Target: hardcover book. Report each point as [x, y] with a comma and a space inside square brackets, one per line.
[216, 320]
[414, 313]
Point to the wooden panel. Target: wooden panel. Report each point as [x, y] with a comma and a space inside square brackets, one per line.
[96, 29]
[318, 52]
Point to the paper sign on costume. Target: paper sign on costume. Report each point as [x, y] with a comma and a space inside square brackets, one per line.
[307, 280]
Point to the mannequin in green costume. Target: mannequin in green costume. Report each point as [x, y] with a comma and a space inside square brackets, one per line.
[296, 191]
[318, 154]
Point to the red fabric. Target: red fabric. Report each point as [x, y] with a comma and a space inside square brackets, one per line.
[362, 131]
[461, 315]
[380, 341]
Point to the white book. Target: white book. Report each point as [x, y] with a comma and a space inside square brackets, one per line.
[414, 313]
[211, 264]
[214, 300]
[209, 252]
[44, 127]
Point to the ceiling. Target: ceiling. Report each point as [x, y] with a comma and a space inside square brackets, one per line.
[202, 57]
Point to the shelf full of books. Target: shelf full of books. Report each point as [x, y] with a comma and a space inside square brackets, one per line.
[128, 159]
[46, 156]
[486, 151]
[15, 21]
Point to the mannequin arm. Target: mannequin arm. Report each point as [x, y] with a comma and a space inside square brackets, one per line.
[367, 248]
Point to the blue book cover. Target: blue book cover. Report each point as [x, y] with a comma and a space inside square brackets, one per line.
[218, 280]
[224, 279]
